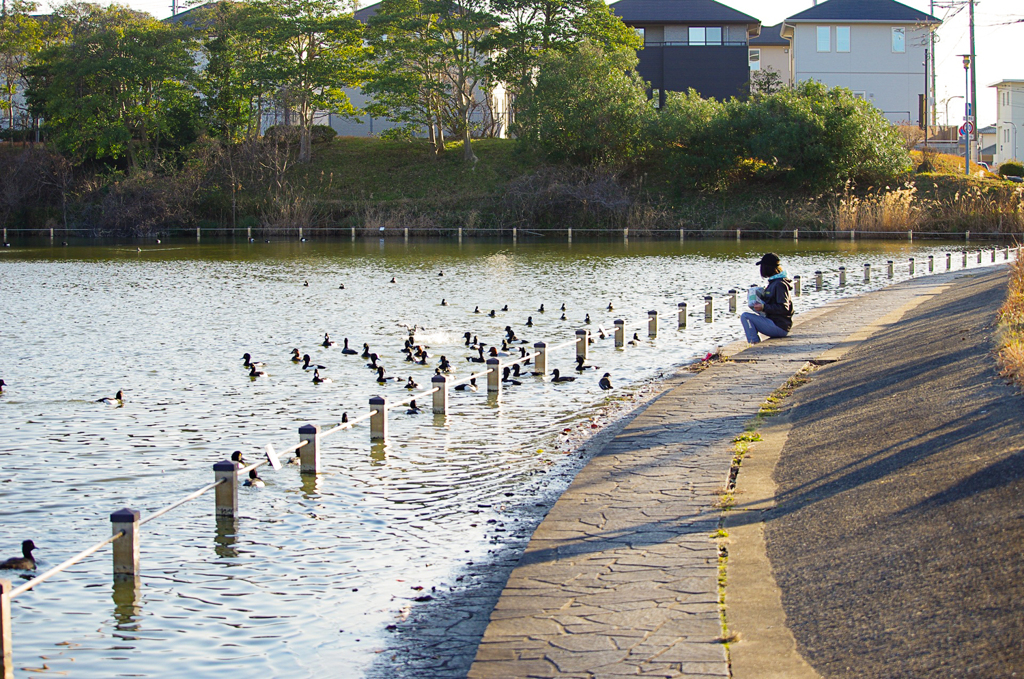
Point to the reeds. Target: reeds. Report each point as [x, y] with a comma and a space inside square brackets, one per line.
[1011, 328]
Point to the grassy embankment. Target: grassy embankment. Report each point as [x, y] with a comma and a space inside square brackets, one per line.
[369, 183]
[1011, 327]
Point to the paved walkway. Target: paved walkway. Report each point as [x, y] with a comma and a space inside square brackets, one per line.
[621, 576]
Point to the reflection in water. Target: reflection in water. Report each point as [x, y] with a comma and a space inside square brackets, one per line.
[314, 554]
[127, 603]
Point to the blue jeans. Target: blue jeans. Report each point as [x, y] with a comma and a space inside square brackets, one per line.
[753, 324]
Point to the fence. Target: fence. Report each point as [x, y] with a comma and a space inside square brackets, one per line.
[126, 523]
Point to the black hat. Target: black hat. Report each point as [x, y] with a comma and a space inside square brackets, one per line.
[770, 258]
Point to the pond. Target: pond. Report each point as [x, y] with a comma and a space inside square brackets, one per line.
[314, 570]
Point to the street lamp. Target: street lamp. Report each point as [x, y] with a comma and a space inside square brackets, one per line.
[967, 112]
[949, 99]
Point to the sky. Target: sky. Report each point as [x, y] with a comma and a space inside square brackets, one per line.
[995, 37]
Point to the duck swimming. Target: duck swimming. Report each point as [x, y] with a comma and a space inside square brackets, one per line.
[563, 318]
[506, 377]
[541, 309]
[380, 376]
[561, 378]
[253, 373]
[23, 563]
[305, 284]
[444, 365]
[393, 280]
[319, 380]
[295, 356]
[470, 386]
[306, 365]
[328, 342]
[410, 384]
[580, 367]
[493, 313]
[372, 365]
[116, 400]
[444, 302]
[478, 359]
[413, 408]
[348, 352]
[248, 362]
[587, 319]
[635, 341]
[529, 321]
[2, 385]
[366, 350]
[610, 307]
[254, 480]
[605, 382]
[563, 306]
[505, 308]
[341, 287]
[237, 457]
[476, 310]
[469, 338]
[522, 354]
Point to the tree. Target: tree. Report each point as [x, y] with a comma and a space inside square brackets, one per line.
[313, 52]
[118, 87]
[589, 107]
[20, 38]
[531, 28]
[766, 81]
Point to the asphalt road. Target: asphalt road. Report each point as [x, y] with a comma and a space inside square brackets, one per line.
[898, 537]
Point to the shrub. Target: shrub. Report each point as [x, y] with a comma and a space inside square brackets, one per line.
[1011, 169]
[320, 134]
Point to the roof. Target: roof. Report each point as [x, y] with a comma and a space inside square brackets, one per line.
[189, 17]
[888, 11]
[770, 36]
[366, 13]
[679, 11]
[988, 129]
[1008, 81]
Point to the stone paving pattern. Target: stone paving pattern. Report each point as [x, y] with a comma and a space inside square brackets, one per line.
[620, 579]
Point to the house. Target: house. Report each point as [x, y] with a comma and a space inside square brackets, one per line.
[1009, 120]
[987, 143]
[698, 44]
[772, 51]
[873, 47]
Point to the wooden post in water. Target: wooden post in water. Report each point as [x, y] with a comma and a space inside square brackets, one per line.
[965, 259]
[931, 263]
[737, 234]
[949, 261]
[652, 323]
[967, 236]
[542, 356]
[732, 301]
[682, 235]
[379, 420]
[51, 235]
[126, 547]
[407, 234]
[625, 235]
[581, 344]
[198, 238]
[708, 309]
[796, 234]
[248, 233]
[796, 286]
[309, 454]
[910, 235]
[911, 266]
[6, 650]
[440, 382]
[353, 234]
[226, 494]
[867, 272]
[1006, 251]
[817, 280]
[460, 235]
[979, 256]
[300, 233]
[515, 236]
[569, 236]
[620, 333]
[682, 315]
[853, 234]
[889, 264]
[842, 276]
[494, 376]
[993, 255]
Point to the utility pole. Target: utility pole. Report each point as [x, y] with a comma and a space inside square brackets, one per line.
[974, 83]
[931, 45]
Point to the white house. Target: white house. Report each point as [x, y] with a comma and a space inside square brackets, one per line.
[873, 47]
[772, 51]
[1009, 120]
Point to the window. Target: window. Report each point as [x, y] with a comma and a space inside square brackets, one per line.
[640, 32]
[899, 40]
[701, 35]
[755, 60]
[860, 95]
[824, 39]
[842, 38]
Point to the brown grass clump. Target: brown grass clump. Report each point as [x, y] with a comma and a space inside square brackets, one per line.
[1011, 326]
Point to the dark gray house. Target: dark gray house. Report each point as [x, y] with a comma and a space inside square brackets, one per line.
[699, 44]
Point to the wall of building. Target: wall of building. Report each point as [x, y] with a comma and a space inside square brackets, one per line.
[890, 80]
[1010, 111]
[714, 71]
[776, 58]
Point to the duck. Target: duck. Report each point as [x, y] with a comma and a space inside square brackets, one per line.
[505, 308]
[248, 362]
[522, 354]
[413, 408]
[254, 480]
[444, 365]
[601, 333]
[319, 380]
[116, 400]
[341, 287]
[366, 350]
[561, 378]
[494, 353]
[506, 377]
[563, 318]
[2, 385]
[296, 358]
[478, 359]
[476, 310]
[410, 384]
[252, 240]
[302, 240]
[347, 351]
[469, 338]
[306, 365]
[393, 280]
[563, 306]
[254, 373]
[372, 365]
[380, 376]
[540, 310]
[586, 319]
[635, 341]
[529, 321]
[610, 307]
[516, 371]
[444, 302]
[606, 382]
[580, 367]
[493, 313]
[305, 284]
[24, 562]
[237, 457]
[440, 273]
[328, 342]
[466, 386]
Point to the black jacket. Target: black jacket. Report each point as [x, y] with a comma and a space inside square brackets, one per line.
[778, 305]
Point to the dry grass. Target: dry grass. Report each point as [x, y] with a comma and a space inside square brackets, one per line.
[1011, 327]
